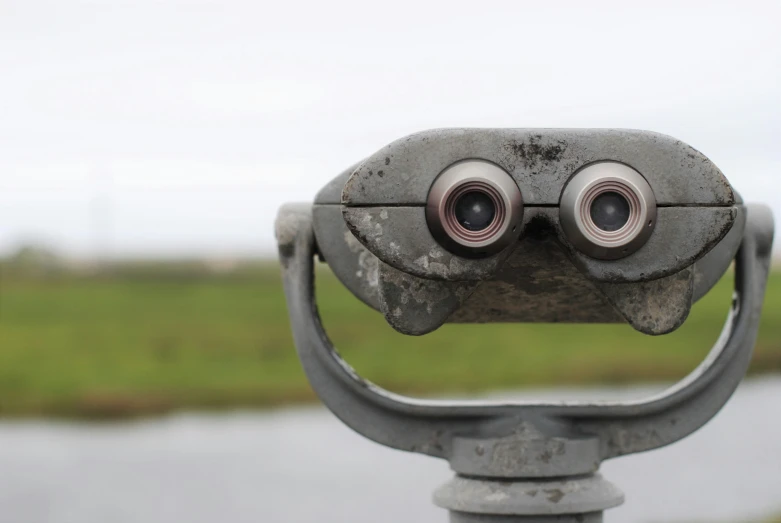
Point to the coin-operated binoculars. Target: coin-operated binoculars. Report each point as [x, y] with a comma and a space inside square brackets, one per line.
[519, 225]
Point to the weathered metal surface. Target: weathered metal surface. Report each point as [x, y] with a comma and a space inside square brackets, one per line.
[399, 236]
[544, 448]
[540, 160]
[351, 262]
[292, 219]
[417, 306]
[653, 307]
[577, 495]
[710, 268]
[537, 283]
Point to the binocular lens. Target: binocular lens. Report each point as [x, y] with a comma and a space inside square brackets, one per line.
[474, 208]
[610, 211]
[475, 211]
[607, 210]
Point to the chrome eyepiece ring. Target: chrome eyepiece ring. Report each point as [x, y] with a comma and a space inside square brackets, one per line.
[474, 209]
[607, 210]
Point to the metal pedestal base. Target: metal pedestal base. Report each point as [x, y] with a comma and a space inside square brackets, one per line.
[572, 499]
[460, 517]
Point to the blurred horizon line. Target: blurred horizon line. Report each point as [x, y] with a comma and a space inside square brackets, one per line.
[225, 260]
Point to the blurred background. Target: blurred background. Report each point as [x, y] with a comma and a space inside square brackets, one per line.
[147, 371]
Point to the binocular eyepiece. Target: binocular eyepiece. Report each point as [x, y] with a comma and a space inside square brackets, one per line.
[474, 208]
[608, 210]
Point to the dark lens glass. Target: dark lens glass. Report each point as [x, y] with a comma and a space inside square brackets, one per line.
[610, 211]
[475, 211]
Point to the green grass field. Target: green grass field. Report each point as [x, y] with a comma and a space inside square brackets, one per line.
[144, 341]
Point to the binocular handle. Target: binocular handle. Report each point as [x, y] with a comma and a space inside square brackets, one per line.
[434, 427]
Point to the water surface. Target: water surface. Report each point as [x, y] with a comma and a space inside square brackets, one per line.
[302, 465]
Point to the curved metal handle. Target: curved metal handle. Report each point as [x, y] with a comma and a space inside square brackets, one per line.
[428, 427]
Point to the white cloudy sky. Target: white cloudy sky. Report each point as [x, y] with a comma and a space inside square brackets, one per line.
[173, 128]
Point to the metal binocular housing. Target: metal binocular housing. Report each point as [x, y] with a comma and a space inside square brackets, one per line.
[528, 225]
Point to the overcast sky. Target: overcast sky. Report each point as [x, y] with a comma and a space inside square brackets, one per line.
[173, 128]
